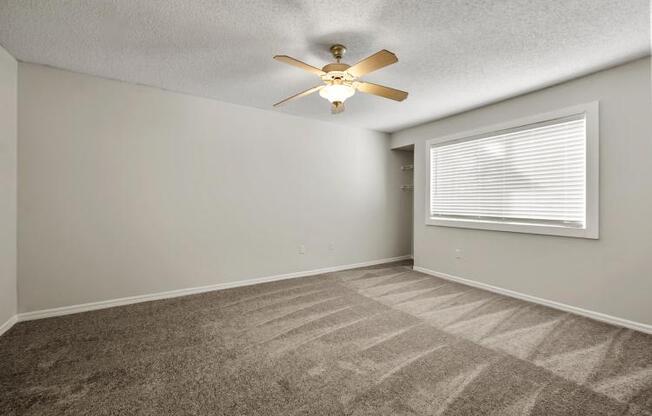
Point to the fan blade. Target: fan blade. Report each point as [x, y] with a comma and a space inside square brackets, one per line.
[299, 95]
[372, 63]
[382, 91]
[299, 64]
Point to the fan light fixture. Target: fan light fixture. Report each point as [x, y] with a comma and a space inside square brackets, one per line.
[337, 92]
[341, 81]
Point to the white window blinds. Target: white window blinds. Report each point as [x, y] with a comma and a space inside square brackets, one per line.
[534, 174]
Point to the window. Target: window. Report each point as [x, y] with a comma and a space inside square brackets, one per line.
[537, 175]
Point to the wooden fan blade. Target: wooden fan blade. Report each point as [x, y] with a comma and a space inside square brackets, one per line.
[299, 95]
[299, 64]
[382, 91]
[372, 63]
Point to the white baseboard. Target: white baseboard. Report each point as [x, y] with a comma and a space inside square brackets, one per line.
[556, 305]
[7, 325]
[84, 307]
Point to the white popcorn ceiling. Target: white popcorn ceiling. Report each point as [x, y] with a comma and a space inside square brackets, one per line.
[454, 55]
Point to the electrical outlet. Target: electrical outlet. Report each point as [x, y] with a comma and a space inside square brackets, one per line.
[302, 249]
[458, 253]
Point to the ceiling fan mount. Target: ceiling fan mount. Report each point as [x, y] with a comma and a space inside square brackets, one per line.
[338, 51]
[341, 81]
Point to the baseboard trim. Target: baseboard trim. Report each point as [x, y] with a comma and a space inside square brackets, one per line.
[7, 325]
[85, 307]
[598, 316]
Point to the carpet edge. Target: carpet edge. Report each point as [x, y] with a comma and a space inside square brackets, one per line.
[598, 316]
[110, 303]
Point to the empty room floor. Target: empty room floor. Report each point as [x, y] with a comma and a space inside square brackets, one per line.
[383, 340]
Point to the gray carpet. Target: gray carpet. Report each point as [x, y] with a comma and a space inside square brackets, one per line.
[375, 341]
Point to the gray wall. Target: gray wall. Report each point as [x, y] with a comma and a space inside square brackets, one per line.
[612, 275]
[8, 104]
[128, 190]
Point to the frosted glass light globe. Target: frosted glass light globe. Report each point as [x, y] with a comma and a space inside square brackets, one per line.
[337, 92]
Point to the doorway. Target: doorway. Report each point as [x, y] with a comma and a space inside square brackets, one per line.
[406, 157]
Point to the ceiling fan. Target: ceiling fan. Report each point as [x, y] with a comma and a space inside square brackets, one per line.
[341, 81]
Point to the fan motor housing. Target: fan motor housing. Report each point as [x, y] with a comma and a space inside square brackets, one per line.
[335, 67]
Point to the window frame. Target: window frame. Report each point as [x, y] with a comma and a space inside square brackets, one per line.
[591, 230]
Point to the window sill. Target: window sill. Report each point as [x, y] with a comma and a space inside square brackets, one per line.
[514, 227]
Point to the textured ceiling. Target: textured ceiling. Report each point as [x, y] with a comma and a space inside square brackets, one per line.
[453, 55]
